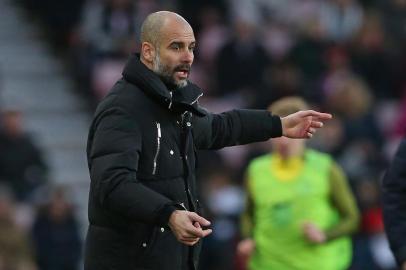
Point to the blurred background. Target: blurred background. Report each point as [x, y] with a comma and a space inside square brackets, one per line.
[59, 58]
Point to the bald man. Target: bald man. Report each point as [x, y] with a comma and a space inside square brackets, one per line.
[143, 208]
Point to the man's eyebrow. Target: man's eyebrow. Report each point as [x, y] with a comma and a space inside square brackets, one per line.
[181, 43]
[176, 43]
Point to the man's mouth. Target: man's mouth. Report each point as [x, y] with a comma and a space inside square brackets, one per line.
[182, 73]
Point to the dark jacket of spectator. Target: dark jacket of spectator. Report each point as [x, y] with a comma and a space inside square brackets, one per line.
[57, 241]
[21, 164]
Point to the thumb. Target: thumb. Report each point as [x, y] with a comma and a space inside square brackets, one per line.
[201, 220]
[197, 225]
[204, 233]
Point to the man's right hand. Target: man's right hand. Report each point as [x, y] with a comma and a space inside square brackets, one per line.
[303, 124]
[404, 266]
[187, 226]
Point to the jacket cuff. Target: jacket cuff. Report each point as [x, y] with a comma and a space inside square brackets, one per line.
[276, 126]
[165, 213]
[259, 125]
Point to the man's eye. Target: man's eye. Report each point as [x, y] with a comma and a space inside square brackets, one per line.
[176, 47]
[192, 49]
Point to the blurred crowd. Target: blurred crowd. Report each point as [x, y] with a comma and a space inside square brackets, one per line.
[346, 57]
[38, 228]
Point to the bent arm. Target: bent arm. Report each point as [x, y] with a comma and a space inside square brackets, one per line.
[344, 201]
[247, 217]
[114, 154]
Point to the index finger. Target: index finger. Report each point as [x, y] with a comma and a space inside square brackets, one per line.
[319, 115]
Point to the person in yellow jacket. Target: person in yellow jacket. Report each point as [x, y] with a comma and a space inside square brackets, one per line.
[300, 210]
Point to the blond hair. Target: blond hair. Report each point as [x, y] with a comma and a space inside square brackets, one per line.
[288, 105]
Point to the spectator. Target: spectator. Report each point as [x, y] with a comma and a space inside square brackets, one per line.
[341, 19]
[15, 249]
[369, 55]
[108, 37]
[225, 204]
[21, 163]
[56, 234]
[241, 62]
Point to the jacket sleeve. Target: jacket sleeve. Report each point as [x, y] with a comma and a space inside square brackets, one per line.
[247, 217]
[113, 162]
[394, 203]
[235, 127]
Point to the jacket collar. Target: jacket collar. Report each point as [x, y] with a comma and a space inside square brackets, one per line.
[181, 100]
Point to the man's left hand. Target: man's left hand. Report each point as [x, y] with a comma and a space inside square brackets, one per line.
[303, 124]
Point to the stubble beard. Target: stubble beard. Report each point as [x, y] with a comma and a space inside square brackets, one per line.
[166, 74]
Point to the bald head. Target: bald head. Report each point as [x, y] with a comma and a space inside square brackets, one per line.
[155, 24]
[167, 45]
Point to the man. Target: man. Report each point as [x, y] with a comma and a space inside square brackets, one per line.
[394, 205]
[300, 209]
[22, 166]
[143, 209]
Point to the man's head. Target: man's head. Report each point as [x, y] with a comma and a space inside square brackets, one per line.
[284, 146]
[167, 44]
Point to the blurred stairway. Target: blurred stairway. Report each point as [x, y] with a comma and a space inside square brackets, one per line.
[34, 82]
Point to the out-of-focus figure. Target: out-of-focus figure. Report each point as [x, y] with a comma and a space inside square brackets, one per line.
[21, 164]
[300, 210]
[15, 249]
[56, 235]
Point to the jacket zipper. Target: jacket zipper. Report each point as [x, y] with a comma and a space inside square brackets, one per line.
[158, 139]
[196, 99]
[170, 102]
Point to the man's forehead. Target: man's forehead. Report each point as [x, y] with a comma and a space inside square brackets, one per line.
[177, 30]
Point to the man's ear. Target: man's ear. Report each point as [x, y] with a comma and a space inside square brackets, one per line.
[148, 51]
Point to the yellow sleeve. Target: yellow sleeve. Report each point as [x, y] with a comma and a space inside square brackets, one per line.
[343, 199]
[246, 220]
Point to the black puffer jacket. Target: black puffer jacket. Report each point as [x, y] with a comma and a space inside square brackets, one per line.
[141, 154]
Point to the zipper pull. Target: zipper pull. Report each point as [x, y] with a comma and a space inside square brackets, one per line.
[182, 205]
[170, 101]
[158, 146]
[158, 125]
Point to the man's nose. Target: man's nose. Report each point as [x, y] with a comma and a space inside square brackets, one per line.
[188, 57]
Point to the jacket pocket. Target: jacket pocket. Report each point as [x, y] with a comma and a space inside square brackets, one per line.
[148, 244]
[158, 147]
[162, 251]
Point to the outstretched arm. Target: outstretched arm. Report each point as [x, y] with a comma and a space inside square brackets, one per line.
[238, 127]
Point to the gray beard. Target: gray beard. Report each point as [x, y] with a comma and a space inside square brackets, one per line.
[166, 75]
